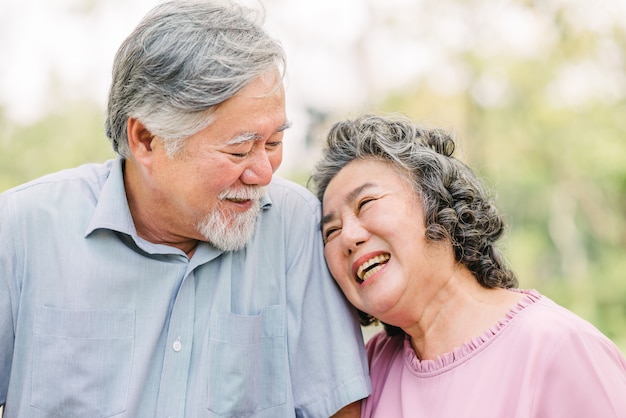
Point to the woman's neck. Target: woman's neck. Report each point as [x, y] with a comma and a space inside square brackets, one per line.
[461, 311]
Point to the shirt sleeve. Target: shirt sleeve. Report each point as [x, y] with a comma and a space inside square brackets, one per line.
[584, 377]
[326, 350]
[7, 289]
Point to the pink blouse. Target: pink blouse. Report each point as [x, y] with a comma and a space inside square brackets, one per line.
[541, 360]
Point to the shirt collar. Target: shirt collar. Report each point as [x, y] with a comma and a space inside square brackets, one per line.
[112, 210]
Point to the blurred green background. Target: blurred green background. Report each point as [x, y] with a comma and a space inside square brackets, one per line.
[544, 122]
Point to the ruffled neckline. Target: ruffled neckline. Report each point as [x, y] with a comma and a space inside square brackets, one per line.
[460, 354]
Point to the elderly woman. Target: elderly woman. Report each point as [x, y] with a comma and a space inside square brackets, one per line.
[410, 237]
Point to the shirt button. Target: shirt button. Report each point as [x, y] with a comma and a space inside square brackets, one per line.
[177, 346]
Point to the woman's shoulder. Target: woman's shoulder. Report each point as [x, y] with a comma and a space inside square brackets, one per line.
[383, 347]
[548, 317]
[551, 325]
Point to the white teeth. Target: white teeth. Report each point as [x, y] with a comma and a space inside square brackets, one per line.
[368, 273]
[365, 270]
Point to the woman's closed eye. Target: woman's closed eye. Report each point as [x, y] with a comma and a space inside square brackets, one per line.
[329, 232]
[364, 201]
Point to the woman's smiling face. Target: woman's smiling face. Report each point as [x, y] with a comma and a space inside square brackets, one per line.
[373, 228]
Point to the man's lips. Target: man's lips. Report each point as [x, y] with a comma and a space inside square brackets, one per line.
[240, 203]
[369, 264]
[243, 198]
[235, 200]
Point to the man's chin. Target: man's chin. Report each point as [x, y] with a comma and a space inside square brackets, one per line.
[232, 243]
[230, 234]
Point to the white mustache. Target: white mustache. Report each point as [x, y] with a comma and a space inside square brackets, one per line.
[243, 193]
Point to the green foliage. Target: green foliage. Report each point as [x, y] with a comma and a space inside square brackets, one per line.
[558, 169]
[59, 141]
[557, 166]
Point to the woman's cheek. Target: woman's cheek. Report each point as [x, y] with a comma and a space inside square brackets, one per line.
[332, 262]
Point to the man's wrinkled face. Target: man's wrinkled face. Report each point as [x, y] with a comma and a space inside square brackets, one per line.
[212, 187]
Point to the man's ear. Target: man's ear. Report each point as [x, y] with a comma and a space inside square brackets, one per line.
[139, 140]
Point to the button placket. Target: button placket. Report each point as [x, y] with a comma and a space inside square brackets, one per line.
[177, 345]
[175, 373]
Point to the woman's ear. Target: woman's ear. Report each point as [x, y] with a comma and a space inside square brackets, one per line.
[139, 140]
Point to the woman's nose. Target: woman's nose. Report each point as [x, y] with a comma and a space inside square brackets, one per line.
[353, 234]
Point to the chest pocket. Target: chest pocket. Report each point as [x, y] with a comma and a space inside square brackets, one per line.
[82, 361]
[248, 362]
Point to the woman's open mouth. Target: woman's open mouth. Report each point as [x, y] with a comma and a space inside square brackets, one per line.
[371, 266]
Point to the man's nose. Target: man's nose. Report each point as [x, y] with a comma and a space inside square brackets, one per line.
[259, 170]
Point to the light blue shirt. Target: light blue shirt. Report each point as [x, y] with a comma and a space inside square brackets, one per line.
[97, 322]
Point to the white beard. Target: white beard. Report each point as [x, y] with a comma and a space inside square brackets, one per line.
[230, 230]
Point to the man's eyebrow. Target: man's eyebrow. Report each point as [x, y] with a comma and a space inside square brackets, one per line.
[243, 138]
[284, 126]
[253, 136]
[351, 197]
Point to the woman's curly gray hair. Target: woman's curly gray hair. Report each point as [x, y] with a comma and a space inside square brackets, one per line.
[456, 207]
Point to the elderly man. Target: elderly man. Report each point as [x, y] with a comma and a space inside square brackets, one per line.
[181, 279]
